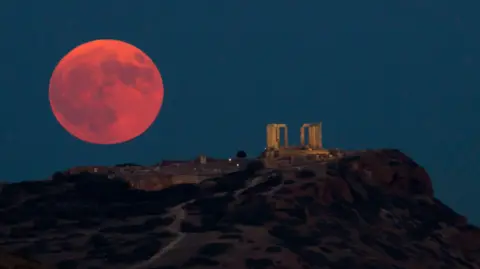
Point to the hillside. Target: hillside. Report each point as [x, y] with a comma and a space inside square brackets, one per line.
[374, 210]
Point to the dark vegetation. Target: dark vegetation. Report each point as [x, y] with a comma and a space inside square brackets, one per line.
[127, 165]
[241, 154]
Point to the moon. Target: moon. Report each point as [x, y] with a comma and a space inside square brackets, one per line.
[106, 92]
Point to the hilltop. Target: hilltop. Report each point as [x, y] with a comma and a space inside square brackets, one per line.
[370, 209]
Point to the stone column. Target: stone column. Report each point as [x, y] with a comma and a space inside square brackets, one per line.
[315, 135]
[272, 134]
[302, 136]
[320, 143]
[285, 136]
[319, 134]
[311, 137]
[269, 140]
[277, 137]
[268, 136]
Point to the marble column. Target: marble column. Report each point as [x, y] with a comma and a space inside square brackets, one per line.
[302, 136]
[320, 143]
[311, 137]
[285, 136]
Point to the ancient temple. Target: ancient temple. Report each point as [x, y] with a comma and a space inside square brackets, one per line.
[310, 140]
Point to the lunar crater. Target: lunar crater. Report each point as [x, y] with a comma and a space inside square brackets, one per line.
[140, 58]
[129, 74]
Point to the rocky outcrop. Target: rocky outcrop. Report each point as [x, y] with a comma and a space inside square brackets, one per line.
[373, 209]
[9, 261]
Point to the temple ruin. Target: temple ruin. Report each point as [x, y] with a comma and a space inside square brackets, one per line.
[314, 135]
[273, 135]
[311, 144]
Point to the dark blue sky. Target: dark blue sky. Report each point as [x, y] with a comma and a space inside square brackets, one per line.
[401, 74]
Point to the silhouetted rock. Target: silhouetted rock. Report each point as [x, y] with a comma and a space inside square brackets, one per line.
[304, 173]
[10, 261]
[368, 209]
[67, 264]
[98, 241]
[58, 177]
[254, 166]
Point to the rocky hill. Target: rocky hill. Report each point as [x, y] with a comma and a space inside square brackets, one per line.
[372, 210]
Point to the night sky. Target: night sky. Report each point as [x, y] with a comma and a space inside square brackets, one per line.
[399, 74]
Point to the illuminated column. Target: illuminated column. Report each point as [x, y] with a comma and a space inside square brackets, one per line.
[315, 135]
[311, 138]
[269, 142]
[302, 136]
[285, 129]
[271, 135]
[277, 137]
[320, 143]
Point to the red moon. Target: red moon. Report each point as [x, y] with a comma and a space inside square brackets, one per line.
[106, 92]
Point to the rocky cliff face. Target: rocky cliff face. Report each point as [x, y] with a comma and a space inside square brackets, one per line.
[372, 210]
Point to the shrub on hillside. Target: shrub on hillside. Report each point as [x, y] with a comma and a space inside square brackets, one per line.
[241, 154]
